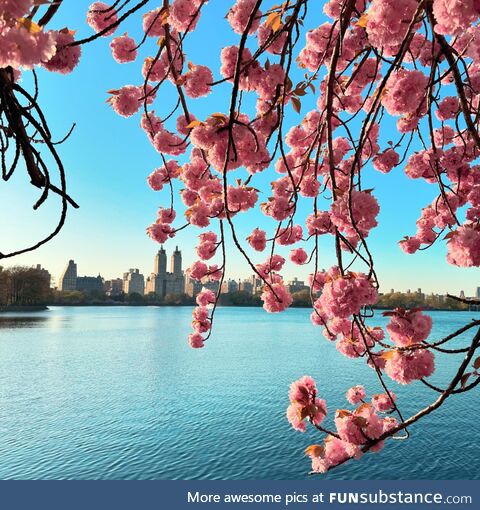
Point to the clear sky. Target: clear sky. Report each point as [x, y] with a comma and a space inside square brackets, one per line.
[108, 159]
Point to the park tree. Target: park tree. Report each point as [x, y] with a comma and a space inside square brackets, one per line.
[20, 285]
[4, 287]
[396, 83]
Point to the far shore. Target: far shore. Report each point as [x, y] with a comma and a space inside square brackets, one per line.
[23, 308]
[43, 308]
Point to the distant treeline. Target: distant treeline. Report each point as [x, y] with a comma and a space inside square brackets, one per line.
[26, 286]
[76, 297]
[80, 298]
[418, 300]
[23, 286]
[300, 300]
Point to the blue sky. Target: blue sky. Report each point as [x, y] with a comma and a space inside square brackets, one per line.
[108, 159]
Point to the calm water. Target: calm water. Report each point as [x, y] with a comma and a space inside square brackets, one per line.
[116, 393]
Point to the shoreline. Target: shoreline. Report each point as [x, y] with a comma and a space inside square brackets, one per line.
[23, 308]
[43, 308]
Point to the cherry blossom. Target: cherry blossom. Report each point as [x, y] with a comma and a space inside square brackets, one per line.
[356, 394]
[100, 16]
[124, 49]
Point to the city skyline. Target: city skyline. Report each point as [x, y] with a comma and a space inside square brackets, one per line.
[88, 283]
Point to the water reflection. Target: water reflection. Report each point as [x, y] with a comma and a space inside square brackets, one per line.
[14, 322]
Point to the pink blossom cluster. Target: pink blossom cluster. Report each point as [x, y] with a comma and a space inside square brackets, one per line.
[385, 161]
[203, 194]
[344, 295]
[266, 81]
[101, 16]
[127, 100]
[163, 175]
[353, 341]
[319, 223]
[405, 367]
[453, 16]
[157, 70]
[405, 93]
[124, 49]
[273, 265]
[202, 318]
[66, 58]
[334, 452]
[384, 402]
[240, 14]
[356, 394]
[273, 41]
[275, 296]
[305, 404]
[197, 81]
[241, 198]
[408, 327]
[21, 44]
[318, 48]
[299, 256]
[258, 239]
[333, 8]
[184, 14]
[207, 247]
[211, 137]
[464, 246]
[448, 108]
[289, 235]
[354, 429]
[359, 426]
[355, 214]
[162, 229]
[421, 165]
[160, 232]
[206, 297]
[153, 23]
[15, 8]
[200, 271]
[387, 22]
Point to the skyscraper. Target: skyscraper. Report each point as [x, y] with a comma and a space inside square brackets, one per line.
[68, 280]
[133, 282]
[160, 262]
[162, 283]
[176, 262]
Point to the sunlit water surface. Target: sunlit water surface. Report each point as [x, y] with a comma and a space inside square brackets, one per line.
[116, 393]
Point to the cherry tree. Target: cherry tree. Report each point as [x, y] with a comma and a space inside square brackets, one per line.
[372, 64]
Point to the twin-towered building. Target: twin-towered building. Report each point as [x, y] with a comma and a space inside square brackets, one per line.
[164, 283]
